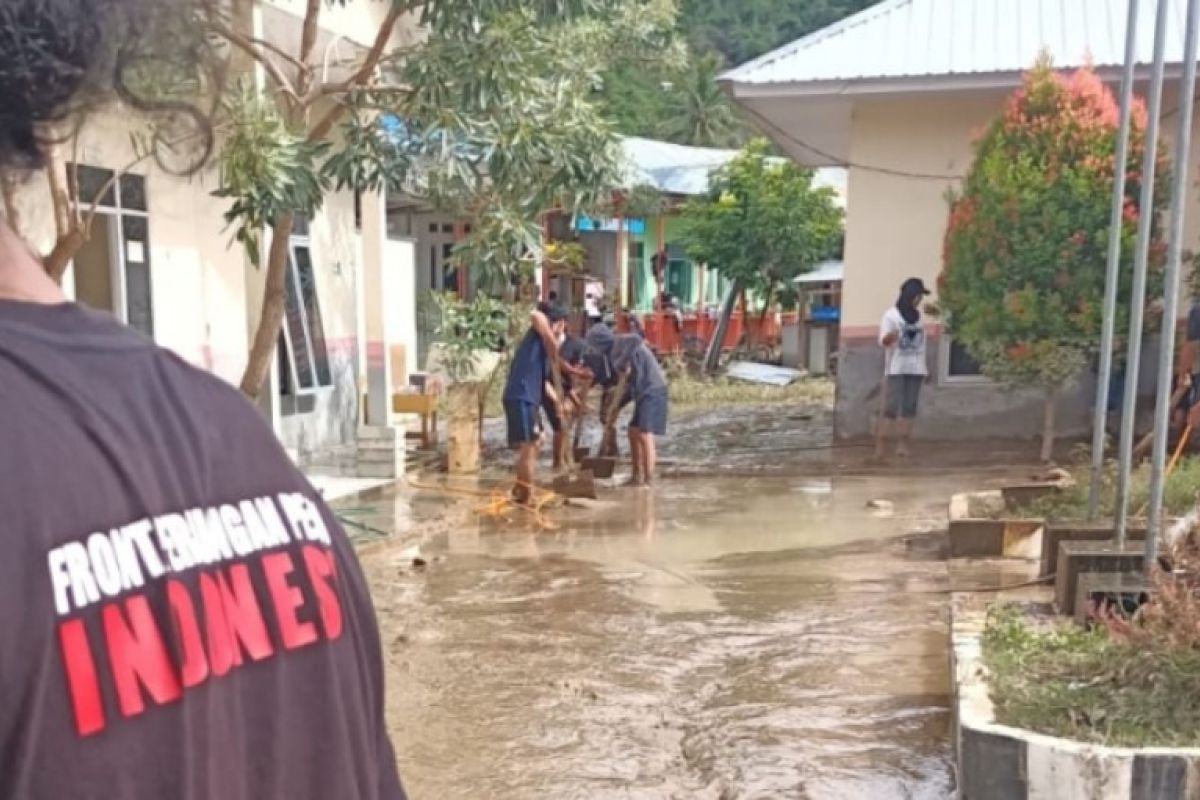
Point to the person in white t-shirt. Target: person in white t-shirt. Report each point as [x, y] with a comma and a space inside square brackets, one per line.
[902, 335]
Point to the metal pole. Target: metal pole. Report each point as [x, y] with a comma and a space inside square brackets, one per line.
[1179, 192]
[1138, 303]
[1112, 276]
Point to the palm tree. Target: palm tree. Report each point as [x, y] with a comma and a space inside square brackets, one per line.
[698, 111]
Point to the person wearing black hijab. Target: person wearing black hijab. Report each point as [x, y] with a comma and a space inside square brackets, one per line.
[902, 335]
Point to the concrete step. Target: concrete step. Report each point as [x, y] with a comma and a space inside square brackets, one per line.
[376, 433]
[368, 470]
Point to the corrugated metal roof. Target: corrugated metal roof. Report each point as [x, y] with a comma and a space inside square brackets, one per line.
[684, 170]
[899, 39]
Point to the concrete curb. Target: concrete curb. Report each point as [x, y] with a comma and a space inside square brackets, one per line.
[974, 536]
[998, 762]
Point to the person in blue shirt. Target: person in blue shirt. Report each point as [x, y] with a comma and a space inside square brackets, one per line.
[554, 407]
[525, 389]
[629, 355]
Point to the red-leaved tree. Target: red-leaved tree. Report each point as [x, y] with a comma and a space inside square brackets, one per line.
[1026, 246]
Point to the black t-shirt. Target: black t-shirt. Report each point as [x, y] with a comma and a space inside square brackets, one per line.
[180, 615]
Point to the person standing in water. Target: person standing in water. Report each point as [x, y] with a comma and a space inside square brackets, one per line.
[523, 392]
[902, 335]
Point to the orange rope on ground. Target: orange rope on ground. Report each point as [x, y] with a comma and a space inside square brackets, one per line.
[500, 503]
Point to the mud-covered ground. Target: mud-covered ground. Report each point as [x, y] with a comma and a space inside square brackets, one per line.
[749, 629]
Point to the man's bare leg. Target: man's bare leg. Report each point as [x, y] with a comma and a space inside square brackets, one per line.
[558, 449]
[903, 435]
[526, 472]
[885, 429]
[649, 457]
[635, 457]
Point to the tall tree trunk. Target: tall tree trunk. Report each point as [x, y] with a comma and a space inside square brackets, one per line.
[1048, 423]
[713, 357]
[273, 308]
[759, 339]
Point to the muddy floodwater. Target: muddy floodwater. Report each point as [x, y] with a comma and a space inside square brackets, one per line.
[728, 635]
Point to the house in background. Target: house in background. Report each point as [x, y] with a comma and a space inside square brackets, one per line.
[897, 93]
[622, 251]
[161, 259]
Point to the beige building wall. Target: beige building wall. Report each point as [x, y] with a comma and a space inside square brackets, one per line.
[197, 280]
[895, 223]
[895, 229]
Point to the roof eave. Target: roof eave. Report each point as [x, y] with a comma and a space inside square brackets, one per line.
[982, 81]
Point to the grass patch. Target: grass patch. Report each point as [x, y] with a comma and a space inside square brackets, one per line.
[692, 392]
[688, 391]
[1091, 685]
[1179, 493]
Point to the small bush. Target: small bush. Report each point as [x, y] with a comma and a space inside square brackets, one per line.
[1180, 493]
[1128, 683]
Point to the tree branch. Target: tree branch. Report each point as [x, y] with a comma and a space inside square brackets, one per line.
[308, 40]
[12, 214]
[361, 75]
[60, 196]
[247, 46]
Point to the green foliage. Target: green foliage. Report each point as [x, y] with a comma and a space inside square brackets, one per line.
[644, 200]
[566, 255]
[1064, 680]
[1180, 490]
[762, 223]
[466, 329]
[267, 169]
[499, 124]
[1027, 240]
[748, 28]
[683, 104]
[698, 112]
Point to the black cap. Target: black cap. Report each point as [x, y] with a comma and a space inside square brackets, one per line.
[913, 287]
[555, 312]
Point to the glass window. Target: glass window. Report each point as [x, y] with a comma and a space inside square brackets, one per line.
[312, 313]
[133, 192]
[308, 362]
[92, 180]
[139, 306]
[962, 365]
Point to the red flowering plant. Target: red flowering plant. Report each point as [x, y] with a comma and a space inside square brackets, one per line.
[1026, 246]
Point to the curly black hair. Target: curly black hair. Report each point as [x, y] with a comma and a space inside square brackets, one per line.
[59, 58]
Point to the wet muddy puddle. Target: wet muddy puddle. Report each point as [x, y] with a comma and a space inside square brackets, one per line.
[720, 637]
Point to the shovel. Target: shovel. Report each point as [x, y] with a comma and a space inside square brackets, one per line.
[574, 484]
[606, 463]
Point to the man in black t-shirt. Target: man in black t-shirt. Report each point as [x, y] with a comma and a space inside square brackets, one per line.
[181, 616]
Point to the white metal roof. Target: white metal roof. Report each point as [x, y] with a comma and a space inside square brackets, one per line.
[826, 272]
[907, 39]
[684, 170]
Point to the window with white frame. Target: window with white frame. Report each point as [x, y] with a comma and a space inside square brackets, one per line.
[304, 354]
[112, 268]
[957, 364]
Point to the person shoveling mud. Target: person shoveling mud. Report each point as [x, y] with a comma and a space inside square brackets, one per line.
[630, 356]
[524, 391]
[559, 410]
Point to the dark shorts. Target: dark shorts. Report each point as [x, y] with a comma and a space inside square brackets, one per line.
[1191, 397]
[650, 414]
[903, 396]
[551, 412]
[524, 427]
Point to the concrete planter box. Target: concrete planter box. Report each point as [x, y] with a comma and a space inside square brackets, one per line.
[999, 762]
[975, 535]
[1021, 495]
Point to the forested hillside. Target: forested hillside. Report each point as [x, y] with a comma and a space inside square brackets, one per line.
[685, 105]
